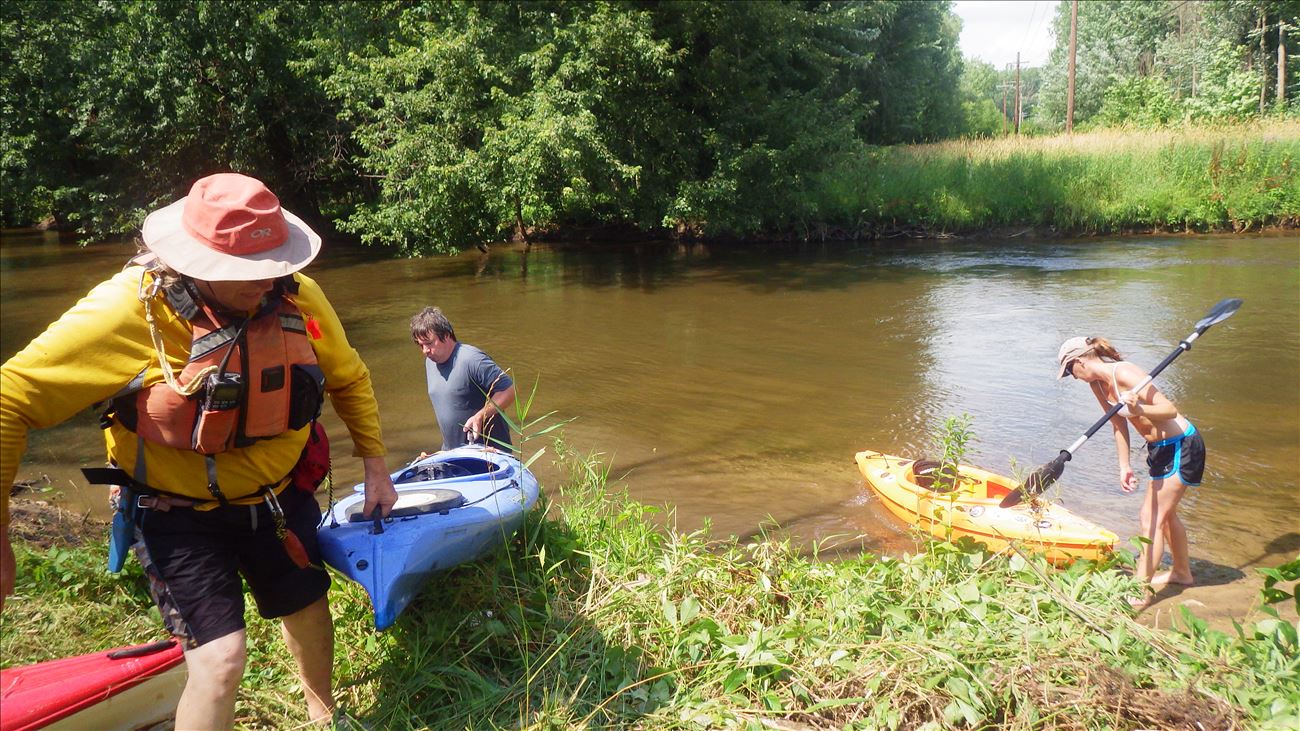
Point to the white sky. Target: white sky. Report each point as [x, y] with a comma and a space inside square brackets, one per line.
[994, 30]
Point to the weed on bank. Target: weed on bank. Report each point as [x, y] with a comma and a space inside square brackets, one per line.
[1232, 178]
[596, 618]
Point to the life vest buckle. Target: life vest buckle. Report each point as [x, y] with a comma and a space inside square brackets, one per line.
[162, 503]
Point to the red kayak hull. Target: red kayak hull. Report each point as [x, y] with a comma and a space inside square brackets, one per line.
[35, 696]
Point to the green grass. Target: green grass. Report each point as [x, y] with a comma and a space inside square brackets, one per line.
[66, 603]
[1234, 178]
[595, 618]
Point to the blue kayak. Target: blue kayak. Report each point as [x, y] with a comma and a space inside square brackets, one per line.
[452, 507]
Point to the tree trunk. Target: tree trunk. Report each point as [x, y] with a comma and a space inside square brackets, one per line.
[520, 229]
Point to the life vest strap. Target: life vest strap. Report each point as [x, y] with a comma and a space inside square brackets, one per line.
[121, 478]
[210, 462]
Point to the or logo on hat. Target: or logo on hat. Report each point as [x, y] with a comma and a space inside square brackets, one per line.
[234, 214]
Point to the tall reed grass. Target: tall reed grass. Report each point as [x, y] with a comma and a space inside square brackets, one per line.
[1234, 178]
[594, 618]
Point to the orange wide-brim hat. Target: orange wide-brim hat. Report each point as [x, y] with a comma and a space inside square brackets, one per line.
[230, 228]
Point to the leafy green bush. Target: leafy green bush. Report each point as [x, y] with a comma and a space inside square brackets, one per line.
[983, 118]
[1226, 90]
[1137, 101]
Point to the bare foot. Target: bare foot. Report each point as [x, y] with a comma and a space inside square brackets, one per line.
[1139, 603]
[1168, 577]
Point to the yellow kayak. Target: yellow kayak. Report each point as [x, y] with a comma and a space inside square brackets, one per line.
[972, 510]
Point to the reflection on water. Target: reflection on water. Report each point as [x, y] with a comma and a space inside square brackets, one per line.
[737, 385]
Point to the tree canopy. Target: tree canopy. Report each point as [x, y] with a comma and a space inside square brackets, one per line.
[1151, 63]
[434, 125]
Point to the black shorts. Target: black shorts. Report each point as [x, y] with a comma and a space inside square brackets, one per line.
[194, 560]
[1183, 456]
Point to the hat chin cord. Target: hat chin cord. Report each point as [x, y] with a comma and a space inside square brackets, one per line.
[146, 294]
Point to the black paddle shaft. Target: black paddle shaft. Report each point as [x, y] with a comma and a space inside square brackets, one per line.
[1047, 474]
[1183, 347]
[1220, 312]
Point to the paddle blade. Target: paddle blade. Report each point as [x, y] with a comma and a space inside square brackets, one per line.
[1046, 475]
[1040, 480]
[1220, 312]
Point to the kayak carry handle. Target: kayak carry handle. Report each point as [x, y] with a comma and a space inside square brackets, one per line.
[141, 650]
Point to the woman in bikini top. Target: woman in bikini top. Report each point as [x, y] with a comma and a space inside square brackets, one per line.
[1096, 362]
[1143, 419]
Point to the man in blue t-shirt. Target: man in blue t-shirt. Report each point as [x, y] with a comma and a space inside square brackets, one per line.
[466, 388]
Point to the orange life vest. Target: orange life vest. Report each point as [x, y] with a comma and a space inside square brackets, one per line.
[267, 380]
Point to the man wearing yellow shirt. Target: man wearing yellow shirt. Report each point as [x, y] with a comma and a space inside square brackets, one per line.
[212, 355]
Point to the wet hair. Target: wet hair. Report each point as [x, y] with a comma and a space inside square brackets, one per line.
[431, 321]
[1104, 350]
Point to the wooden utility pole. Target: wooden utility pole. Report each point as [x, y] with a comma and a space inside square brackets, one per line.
[1017, 93]
[1263, 65]
[1004, 106]
[1281, 64]
[1069, 98]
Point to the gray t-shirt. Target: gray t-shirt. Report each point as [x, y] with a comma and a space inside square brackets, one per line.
[457, 391]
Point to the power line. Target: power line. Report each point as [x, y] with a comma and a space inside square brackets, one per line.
[1029, 27]
[1043, 19]
[1033, 26]
[1175, 8]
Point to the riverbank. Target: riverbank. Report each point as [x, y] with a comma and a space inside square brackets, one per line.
[594, 618]
[1225, 179]
[1232, 178]
[1236, 178]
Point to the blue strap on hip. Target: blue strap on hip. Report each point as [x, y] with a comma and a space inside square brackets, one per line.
[1191, 429]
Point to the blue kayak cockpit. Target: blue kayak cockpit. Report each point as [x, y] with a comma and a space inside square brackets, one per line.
[426, 485]
[432, 469]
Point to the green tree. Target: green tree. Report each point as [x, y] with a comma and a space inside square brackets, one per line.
[916, 76]
[146, 97]
[773, 91]
[432, 126]
[482, 119]
[1250, 27]
[1141, 101]
[1115, 39]
[980, 86]
[1226, 89]
[38, 98]
[486, 117]
[1210, 59]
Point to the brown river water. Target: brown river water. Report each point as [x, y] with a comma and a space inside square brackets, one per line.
[734, 386]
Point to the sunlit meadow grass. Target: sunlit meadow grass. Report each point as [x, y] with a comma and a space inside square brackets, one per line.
[1232, 178]
[596, 618]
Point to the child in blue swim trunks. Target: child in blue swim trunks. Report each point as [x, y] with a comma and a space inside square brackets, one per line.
[1175, 451]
